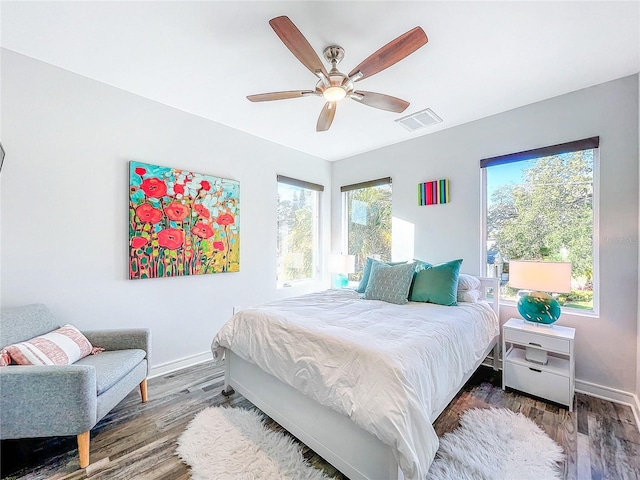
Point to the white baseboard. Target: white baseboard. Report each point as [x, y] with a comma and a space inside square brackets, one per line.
[179, 364]
[612, 395]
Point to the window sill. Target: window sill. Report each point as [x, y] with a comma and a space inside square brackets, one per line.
[574, 312]
[296, 283]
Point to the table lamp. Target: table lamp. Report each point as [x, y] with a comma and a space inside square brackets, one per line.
[540, 277]
[341, 266]
[537, 306]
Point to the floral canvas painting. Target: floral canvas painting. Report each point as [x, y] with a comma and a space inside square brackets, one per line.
[181, 223]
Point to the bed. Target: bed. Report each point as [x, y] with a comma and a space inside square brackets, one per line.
[358, 381]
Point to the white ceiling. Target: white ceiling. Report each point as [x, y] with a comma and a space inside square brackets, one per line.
[482, 58]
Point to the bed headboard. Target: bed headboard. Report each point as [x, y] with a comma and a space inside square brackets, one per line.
[493, 283]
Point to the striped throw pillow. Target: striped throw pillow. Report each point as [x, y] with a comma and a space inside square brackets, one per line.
[63, 346]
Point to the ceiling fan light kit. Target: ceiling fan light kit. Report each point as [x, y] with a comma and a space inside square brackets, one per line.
[333, 94]
[334, 85]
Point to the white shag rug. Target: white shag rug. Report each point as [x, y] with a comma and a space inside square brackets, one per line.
[491, 444]
[234, 444]
[496, 444]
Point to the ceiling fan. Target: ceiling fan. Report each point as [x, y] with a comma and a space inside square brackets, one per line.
[334, 85]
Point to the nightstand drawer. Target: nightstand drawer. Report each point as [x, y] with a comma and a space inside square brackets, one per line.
[556, 388]
[521, 337]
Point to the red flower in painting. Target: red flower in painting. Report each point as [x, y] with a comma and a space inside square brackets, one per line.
[137, 242]
[225, 219]
[177, 188]
[218, 245]
[147, 214]
[202, 210]
[176, 211]
[203, 230]
[205, 185]
[140, 171]
[170, 238]
[154, 187]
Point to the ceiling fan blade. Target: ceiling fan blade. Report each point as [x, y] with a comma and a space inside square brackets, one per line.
[265, 97]
[391, 53]
[381, 101]
[326, 117]
[295, 41]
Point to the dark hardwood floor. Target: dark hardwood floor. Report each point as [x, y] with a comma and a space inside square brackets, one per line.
[137, 441]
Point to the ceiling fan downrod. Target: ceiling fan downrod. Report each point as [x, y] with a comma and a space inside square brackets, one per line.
[339, 85]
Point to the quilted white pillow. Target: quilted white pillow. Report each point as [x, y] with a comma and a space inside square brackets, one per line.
[469, 296]
[468, 282]
[63, 346]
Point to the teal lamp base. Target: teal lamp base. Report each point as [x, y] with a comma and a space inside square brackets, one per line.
[539, 307]
[340, 280]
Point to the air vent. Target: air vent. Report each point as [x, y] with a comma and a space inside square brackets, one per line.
[421, 119]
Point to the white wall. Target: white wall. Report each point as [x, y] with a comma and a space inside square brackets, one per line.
[605, 346]
[65, 206]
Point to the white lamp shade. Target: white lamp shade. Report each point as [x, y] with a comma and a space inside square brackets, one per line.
[552, 277]
[342, 263]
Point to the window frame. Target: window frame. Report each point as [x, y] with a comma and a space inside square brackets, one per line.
[592, 143]
[344, 190]
[317, 190]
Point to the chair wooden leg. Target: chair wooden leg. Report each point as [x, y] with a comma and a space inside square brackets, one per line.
[83, 448]
[143, 390]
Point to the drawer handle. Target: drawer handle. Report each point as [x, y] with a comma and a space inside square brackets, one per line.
[535, 370]
[535, 344]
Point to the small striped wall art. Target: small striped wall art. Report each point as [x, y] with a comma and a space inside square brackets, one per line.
[433, 193]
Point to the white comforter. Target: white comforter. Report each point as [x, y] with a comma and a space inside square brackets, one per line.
[388, 367]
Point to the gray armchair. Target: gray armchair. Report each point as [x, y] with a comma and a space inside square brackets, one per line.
[57, 400]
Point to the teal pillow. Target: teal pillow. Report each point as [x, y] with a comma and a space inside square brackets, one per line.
[437, 284]
[389, 283]
[420, 265]
[417, 260]
[366, 272]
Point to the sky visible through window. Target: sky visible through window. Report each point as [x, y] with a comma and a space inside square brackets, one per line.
[500, 175]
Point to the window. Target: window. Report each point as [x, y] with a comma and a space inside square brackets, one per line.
[367, 221]
[298, 231]
[539, 205]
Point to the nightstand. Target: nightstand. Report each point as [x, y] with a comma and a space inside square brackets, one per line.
[554, 380]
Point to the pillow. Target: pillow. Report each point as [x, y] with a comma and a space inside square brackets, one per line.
[421, 264]
[469, 296]
[5, 359]
[389, 283]
[468, 282]
[366, 272]
[437, 284]
[63, 346]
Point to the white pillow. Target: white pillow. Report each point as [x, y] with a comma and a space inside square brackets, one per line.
[468, 282]
[469, 296]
